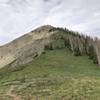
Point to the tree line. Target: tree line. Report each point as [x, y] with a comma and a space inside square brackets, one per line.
[79, 44]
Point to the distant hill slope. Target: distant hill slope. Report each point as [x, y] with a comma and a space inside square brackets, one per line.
[31, 45]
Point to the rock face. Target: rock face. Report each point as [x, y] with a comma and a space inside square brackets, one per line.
[26, 48]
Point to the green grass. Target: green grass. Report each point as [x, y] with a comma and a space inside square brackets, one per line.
[55, 75]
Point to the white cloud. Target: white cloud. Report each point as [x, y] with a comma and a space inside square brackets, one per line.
[20, 16]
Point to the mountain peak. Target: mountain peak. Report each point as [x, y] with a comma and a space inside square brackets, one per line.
[44, 28]
[47, 26]
[24, 49]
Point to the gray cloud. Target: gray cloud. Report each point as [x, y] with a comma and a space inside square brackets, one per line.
[21, 16]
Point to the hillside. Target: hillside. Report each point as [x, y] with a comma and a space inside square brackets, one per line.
[25, 49]
[55, 75]
[50, 63]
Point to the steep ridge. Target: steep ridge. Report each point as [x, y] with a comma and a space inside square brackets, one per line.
[25, 48]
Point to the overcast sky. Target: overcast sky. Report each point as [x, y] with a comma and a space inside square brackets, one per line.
[20, 16]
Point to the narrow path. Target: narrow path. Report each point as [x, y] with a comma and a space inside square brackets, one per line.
[13, 95]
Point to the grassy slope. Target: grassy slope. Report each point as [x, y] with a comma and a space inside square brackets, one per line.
[56, 75]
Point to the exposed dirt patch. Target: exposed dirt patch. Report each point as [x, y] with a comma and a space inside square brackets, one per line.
[11, 93]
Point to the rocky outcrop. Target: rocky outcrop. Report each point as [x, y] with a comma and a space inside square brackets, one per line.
[24, 49]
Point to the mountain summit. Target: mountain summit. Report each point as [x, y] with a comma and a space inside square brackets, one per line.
[31, 45]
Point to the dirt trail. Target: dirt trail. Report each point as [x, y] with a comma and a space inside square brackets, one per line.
[13, 95]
